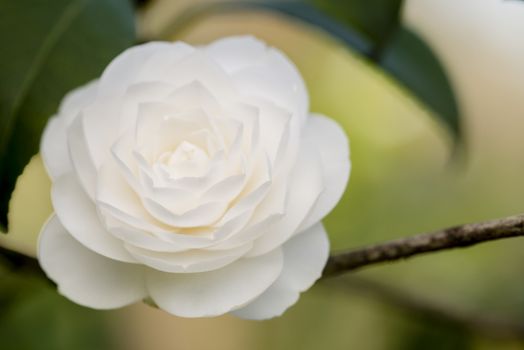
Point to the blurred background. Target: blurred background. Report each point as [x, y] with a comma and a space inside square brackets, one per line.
[408, 176]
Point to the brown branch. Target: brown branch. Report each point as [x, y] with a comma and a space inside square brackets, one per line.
[450, 238]
[489, 326]
[455, 237]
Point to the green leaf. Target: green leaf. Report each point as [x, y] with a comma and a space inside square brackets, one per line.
[373, 29]
[412, 62]
[373, 19]
[35, 316]
[49, 48]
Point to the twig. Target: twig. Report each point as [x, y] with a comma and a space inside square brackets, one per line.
[487, 325]
[454, 237]
[450, 238]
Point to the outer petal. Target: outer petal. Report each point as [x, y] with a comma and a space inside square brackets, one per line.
[304, 259]
[216, 292]
[124, 70]
[237, 52]
[76, 100]
[53, 147]
[78, 214]
[261, 71]
[80, 157]
[303, 191]
[332, 144]
[275, 79]
[85, 277]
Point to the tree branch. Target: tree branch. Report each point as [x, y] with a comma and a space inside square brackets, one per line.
[455, 237]
[487, 325]
[450, 238]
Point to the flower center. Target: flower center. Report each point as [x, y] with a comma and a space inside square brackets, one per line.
[188, 160]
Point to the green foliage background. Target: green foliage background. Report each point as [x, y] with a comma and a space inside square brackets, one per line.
[402, 183]
[49, 48]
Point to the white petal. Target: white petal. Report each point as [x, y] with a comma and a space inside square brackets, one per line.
[122, 156]
[137, 94]
[165, 122]
[110, 117]
[274, 128]
[248, 234]
[114, 191]
[304, 259]
[174, 241]
[54, 149]
[303, 191]
[85, 277]
[272, 201]
[117, 200]
[76, 100]
[276, 79]
[78, 215]
[124, 70]
[137, 237]
[82, 161]
[248, 202]
[272, 303]
[232, 232]
[195, 96]
[104, 118]
[198, 67]
[165, 57]
[190, 261]
[214, 293]
[53, 146]
[249, 117]
[203, 215]
[101, 126]
[331, 142]
[226, 189]
[237, 52]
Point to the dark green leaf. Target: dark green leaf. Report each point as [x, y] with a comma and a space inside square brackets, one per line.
[371, 28]
[420, 333]
[35, 316]
[412, 62]
[48, 48]
[373, 19]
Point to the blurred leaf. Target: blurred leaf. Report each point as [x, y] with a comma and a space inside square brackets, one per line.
[432, 336]
[34, 316]
[412, 62]
[49, 47]
[373, 29]
[374, 19]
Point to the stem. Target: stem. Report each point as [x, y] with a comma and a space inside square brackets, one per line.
[450, 238]
[454, 237]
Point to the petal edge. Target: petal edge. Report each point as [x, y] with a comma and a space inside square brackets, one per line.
[85, 277]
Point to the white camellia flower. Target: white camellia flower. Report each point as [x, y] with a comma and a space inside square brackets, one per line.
[194, 177]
